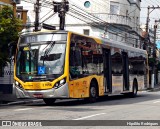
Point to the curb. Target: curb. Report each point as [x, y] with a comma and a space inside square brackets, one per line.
[153, 89]
[22, 102]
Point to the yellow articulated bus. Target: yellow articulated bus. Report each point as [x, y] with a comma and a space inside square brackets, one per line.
[61, 64]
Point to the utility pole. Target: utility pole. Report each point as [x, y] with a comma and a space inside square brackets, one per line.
[148, 12]
[155, 30]
[61, 8]
[153, 54]
[147, 22]
[37, 10]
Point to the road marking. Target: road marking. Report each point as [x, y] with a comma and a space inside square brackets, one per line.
[156, 102]
[89, 116]
[23, 109]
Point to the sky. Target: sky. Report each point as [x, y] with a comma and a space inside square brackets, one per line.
[154, 15]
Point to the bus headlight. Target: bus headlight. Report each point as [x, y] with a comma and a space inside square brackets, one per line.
[17, 84]
[60, 83]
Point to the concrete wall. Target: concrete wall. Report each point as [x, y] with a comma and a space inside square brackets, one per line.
[7, 80]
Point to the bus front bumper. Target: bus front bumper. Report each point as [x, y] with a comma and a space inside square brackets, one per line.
[61, 92]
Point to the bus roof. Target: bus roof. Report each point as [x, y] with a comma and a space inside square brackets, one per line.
[123, 46]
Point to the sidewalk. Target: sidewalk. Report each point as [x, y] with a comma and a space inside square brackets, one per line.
[156, 88]
[9, 99]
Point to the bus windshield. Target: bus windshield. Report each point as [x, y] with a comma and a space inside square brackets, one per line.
[40, 61]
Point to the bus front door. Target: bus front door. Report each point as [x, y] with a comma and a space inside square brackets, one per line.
[107, 71]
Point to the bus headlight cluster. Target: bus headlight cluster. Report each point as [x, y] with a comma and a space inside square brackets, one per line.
[60, 83]
[18, 84]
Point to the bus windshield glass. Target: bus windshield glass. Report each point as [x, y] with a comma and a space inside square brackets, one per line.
[40, 60]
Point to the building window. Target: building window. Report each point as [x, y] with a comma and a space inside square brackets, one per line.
[114, 7]
[125, 37]
[19, 15]
[126, 13]
[87, 4]
[133, 45]
[116, 59]
[86, 31]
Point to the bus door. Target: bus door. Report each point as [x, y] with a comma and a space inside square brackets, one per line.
[125, 71]
[107, 70]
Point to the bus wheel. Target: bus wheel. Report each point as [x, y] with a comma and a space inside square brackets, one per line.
[135, 89]
[93, 92]
[49, 101]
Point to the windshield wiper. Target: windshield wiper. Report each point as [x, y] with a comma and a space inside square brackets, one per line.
[47, 51]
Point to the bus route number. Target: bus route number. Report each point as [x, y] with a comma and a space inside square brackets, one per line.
[31, 39]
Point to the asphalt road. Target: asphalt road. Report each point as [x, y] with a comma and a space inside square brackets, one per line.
[146, 106]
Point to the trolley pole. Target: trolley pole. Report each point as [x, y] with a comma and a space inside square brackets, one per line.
[61, 8]
[37, 10]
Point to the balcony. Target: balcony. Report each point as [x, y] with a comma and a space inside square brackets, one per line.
[114, 18]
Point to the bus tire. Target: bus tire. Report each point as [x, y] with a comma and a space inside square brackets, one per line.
[49, 101]
[93, 92]
[135, 89]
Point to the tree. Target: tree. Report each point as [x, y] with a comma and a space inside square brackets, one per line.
[9, 28]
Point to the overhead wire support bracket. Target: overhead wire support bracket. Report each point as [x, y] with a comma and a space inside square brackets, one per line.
[61, 8]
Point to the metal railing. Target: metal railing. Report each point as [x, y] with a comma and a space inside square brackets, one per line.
[114, 18]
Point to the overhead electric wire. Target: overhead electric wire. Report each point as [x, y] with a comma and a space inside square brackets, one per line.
[102, 20]
[87, 15]
[153, 2]
[48, 17]
[98, 3]
[73, 15]
[50, 3]
[101, 28]
[43, 5]
[46, 14]
[82, 12]
[135, 23]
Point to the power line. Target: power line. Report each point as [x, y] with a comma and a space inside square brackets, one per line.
[51, 4]
[100, 19]
[48, 17]
[73, 15]
[101, 28]
[103, 5]
[87, 15]
[153, 2]
[46, 14]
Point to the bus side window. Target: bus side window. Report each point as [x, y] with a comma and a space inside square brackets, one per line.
[75, 62]
[116, 63]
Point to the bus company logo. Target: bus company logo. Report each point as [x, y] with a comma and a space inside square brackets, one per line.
[6, 123]
[85, 82]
